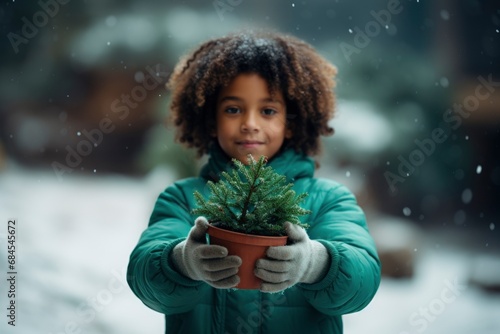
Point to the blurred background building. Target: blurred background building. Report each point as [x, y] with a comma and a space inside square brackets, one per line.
[417, 139]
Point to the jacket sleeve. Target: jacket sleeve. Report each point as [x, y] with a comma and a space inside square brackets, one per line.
[354, 273]
[151, 274]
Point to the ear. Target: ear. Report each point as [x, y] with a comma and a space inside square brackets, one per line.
[288, 133]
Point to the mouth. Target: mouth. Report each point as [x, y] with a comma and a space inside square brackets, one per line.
[249, 143]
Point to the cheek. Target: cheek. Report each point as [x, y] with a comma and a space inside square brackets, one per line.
[224, 128]
[277, 129]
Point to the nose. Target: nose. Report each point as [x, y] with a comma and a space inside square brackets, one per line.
[250, 122]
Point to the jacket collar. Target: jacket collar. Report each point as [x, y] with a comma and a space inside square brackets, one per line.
[287, 162]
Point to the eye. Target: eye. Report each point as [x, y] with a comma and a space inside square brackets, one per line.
[232, 110]
[269, 112]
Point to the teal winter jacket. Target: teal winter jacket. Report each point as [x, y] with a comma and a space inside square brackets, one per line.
[195, 307]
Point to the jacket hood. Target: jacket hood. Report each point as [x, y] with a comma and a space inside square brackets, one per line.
[287, 162]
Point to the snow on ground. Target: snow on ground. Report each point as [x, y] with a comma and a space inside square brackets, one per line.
[74, 238]
[437, 300]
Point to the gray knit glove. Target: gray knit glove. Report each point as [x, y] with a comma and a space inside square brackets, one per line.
[201, 262]
[302, 261]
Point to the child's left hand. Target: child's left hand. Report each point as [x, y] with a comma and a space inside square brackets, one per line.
[303, 261]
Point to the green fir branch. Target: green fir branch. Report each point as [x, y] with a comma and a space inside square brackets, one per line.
[252, 199]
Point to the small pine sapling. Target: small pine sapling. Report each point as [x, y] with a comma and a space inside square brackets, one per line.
[251, 199]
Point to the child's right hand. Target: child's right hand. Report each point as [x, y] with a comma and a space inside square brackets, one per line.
[201, 262]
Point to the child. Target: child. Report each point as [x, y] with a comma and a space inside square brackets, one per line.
[265, 94]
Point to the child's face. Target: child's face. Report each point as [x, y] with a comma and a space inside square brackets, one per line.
[249, 119]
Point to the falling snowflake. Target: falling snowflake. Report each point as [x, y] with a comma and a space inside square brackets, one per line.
[444, 82]
[445, 15]
[492, 226]
[479, 169]
[407, 211]
[466, 196]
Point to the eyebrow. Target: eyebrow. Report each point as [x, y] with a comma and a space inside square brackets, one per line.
[235, 98]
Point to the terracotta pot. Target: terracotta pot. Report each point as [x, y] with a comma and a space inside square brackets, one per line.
[248, 247]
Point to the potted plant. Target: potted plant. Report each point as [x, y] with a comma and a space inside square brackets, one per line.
[246, 210]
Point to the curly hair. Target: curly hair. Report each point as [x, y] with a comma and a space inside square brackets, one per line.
[288, 64]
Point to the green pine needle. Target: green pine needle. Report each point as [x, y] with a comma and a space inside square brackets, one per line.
[252, 199]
